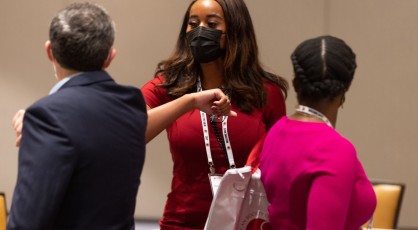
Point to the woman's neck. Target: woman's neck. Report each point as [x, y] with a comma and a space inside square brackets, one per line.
[327, 108]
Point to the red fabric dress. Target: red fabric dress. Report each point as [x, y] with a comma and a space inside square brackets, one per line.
[189, 201]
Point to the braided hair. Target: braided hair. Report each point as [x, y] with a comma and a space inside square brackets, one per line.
[324, 68]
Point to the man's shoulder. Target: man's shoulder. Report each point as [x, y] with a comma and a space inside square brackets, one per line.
[56, 98]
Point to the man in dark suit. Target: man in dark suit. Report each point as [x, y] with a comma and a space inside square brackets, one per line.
[83, 146]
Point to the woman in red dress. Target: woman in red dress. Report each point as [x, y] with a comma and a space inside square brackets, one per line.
[216, 48]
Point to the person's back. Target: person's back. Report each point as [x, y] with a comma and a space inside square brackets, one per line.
[83, 146]
[312, 175]
[97, 157]
[308, 158]
[107, 133]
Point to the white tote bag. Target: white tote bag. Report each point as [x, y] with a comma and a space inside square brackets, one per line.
[254, 213]
[240, 202]
[226, 204]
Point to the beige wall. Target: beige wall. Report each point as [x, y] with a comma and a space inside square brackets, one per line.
[379, 116]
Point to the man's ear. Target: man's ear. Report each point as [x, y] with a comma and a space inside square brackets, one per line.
[112, 54]
[49, 51]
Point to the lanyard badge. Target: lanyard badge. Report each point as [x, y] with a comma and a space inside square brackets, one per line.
[214, 178]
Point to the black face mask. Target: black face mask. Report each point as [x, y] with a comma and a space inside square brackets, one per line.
[205, 44]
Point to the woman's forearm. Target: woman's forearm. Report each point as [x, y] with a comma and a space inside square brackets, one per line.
[162, 116]
[212, 101]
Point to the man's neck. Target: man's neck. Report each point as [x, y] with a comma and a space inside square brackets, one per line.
[62, 73]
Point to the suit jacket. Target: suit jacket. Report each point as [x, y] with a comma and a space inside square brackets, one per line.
[81, 157]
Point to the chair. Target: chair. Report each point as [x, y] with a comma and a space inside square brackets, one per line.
[389, 197]
[3, 211]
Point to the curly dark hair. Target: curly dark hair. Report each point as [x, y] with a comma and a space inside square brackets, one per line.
[244, 76]
[324, 68]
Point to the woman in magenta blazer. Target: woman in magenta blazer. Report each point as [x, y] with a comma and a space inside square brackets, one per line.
[312, 175]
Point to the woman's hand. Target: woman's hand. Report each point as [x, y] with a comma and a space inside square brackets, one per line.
[213, 101]
[17, 123]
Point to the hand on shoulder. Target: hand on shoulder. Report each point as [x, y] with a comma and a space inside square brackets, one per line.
[17, 124]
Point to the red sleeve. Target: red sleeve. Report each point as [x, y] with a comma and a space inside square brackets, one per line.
[254, 157]
[275, 108]
[155, 96]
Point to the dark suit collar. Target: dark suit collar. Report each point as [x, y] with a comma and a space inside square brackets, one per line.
[87, 78]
